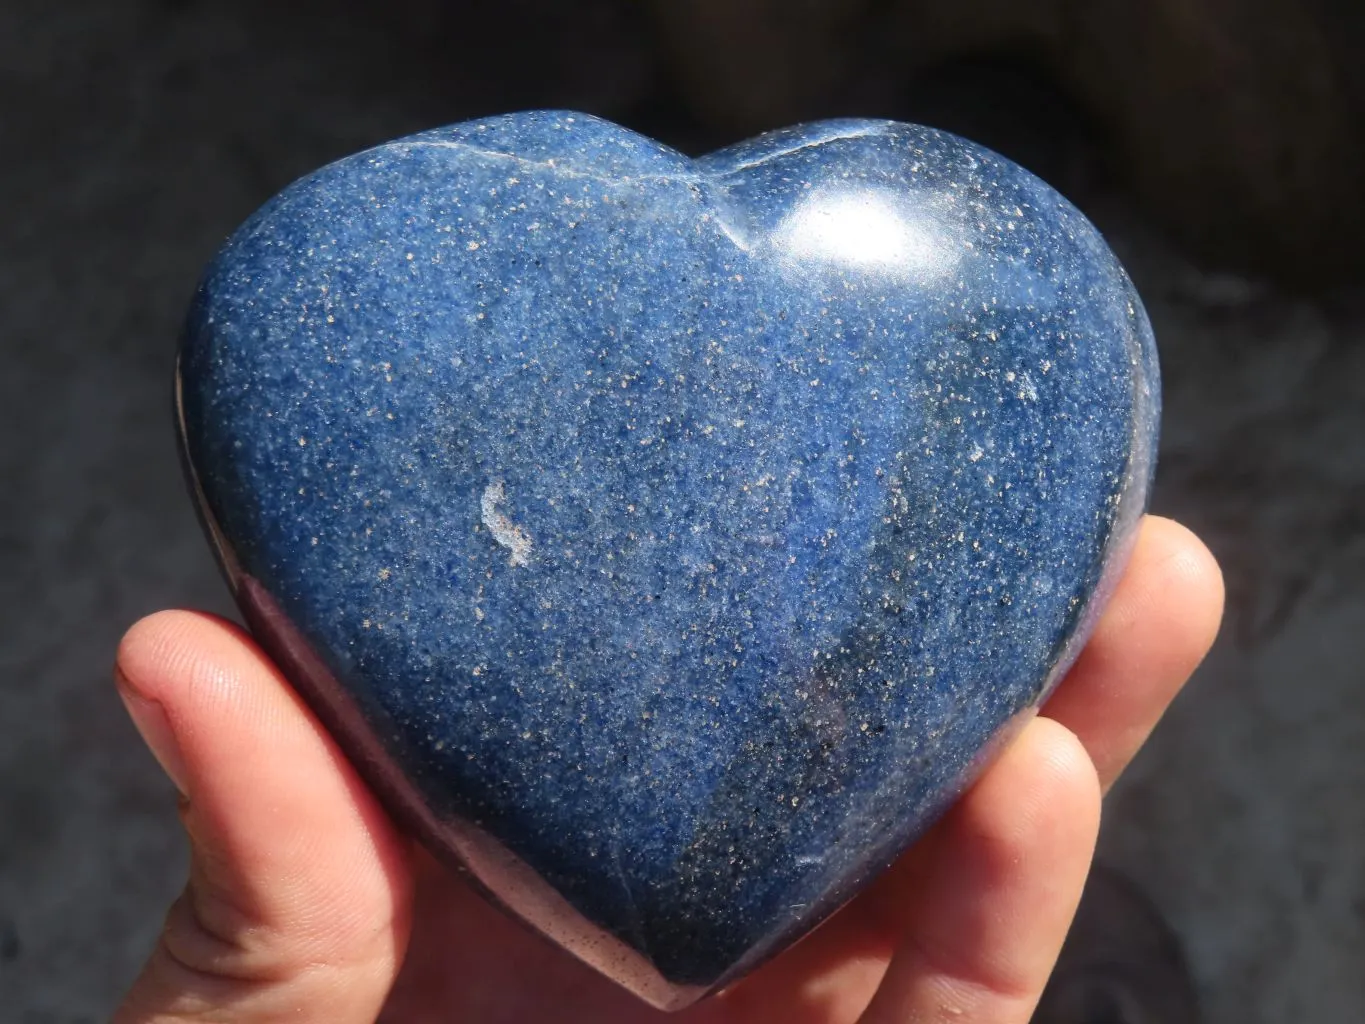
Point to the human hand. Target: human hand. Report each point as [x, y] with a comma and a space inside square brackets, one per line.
[305, 904]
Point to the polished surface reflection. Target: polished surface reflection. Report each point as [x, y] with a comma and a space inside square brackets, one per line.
[866, 232]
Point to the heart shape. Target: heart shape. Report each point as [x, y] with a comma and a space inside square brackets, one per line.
[669, 541]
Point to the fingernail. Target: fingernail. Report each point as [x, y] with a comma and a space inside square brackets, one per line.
[151, 721]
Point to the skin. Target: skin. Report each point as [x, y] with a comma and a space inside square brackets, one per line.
[305, 904]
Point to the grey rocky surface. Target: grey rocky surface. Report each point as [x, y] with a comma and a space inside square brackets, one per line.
[134, 136]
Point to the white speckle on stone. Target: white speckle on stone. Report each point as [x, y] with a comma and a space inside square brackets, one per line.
[504, 531]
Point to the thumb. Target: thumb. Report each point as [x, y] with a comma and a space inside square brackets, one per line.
[298, 900]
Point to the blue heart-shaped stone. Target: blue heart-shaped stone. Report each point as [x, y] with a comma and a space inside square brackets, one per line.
[665, 539]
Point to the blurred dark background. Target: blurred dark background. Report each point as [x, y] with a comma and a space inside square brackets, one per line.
[1219, 144]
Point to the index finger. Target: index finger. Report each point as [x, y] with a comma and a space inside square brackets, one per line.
[1158, 626]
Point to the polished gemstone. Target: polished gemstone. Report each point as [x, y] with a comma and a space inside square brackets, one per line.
[668, 540]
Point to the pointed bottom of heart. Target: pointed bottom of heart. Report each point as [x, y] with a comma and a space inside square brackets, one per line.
[504, 879]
